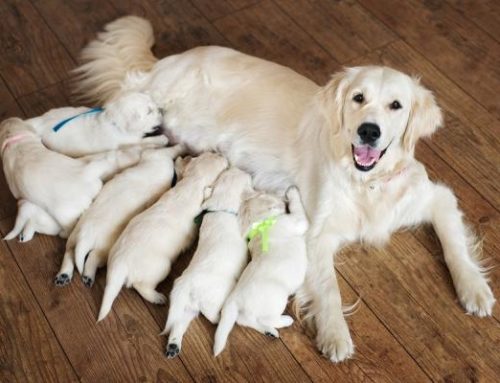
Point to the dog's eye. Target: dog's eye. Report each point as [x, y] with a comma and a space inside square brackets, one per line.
[395, 105]
[359, 98]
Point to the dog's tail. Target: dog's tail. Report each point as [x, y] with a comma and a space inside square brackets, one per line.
[23, 215]
[123, 47]
[115, 280]
[227, 320]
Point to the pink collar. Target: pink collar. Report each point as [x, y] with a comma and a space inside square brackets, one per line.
[388, 178]
[13, 139]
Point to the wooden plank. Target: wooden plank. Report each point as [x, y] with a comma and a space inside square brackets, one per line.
[485, 14]
[344, 28]
[32, 57]
[178, 24]
[39, 102]
[247, 352]
[468, 142]
[75, 23]
[216, 9]
[111, 351]
[278, 39]
[8, 108]
[467, 55]
[30, 351]
[413, 295]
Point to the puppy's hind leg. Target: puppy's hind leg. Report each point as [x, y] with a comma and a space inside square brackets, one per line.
[149, 293]
[95, 260]
[23, 215]
[66, 272]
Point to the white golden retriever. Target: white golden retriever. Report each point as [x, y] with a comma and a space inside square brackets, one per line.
[58, 188]
[122, 198]
[143, 254]
[348, 146]
[276, 271]
[76, 132]
[217, 263]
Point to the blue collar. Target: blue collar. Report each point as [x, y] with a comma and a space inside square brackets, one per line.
[64, 122]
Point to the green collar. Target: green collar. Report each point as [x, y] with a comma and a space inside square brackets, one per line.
[262, 228]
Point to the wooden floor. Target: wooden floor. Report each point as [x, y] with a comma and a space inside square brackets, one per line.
[409, 326]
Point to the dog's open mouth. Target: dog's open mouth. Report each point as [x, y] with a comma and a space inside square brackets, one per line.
[156, 131]
[366, 157]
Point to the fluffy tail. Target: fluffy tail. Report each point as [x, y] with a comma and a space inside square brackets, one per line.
[115, 280]
[124, 46]
[228, 319]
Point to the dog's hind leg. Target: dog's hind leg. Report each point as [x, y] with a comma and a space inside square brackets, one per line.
[66, 272]
[149, 293]
[24, 211]
[95, 260]
[177, 330]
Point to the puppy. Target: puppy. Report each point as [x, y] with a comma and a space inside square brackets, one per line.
[128, 120]
[277, 269]
[144, 252]
[217, 263]
[59, 188]
[121, 199]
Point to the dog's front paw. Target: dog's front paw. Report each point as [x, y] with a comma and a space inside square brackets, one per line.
[172, 350]
[336, 344]
[476, 296]
[62, 280]
[87, 281]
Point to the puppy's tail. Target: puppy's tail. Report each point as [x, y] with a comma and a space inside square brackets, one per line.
[123, 47]
[115, 280]
[228, 319]
[23, 215]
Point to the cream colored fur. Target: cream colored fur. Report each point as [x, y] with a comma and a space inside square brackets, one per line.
[284, 129]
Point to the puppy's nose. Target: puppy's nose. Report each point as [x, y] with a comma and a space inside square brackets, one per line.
[369, 132]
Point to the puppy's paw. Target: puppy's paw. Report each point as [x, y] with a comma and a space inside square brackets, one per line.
[159, 299]
[172, 350]
[476, 296]
[335, 344]
[292, 192]
[274, 334]
[87, 281]
[62, 280]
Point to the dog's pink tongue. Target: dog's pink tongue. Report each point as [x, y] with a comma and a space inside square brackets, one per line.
[366, 154]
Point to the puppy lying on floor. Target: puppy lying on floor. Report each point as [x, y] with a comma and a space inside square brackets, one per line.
[276, 271]
[217, 263]
[128, 120]
[121, 199]
[144, 252]
[59, 188]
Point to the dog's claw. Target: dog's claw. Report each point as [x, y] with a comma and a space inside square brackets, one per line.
[270, 335]
[62, 280]
[172, 351]
[87, 281]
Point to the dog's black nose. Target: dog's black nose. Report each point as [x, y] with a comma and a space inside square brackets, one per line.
[369, 132]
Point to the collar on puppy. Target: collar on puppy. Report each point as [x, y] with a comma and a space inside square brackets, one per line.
[13, 139]
[262, 228]
[64, 122]
[199, 218]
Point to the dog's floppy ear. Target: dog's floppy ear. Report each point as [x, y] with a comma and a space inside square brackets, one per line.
[425, 116]
[332, 96]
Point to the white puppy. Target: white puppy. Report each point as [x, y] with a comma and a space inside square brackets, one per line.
[128, 120]
[217, 263]
[277, 269]
[59, 188]
[144, 252]
[121, 199]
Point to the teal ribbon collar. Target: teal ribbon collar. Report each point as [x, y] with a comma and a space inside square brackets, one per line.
[64, 122]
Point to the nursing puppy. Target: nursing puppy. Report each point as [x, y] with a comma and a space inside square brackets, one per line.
[218, 261]
[276, 271]
[59, 188]
[128, 120]
[144, 252]
[122, 198]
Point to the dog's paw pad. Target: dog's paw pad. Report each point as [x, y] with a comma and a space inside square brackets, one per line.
[270, 335]
[88, 281]
[172, 351]
[62, 280]
[21, 237]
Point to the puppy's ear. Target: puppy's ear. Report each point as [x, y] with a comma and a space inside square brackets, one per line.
[332, 96]
[425, 116]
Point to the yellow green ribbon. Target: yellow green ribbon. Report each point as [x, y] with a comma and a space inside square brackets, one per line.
[262, 228]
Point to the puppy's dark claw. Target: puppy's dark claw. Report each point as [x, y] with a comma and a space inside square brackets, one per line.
[172, 351]
[62, 280]
[21, 237]
[270, 335]
[87, 281]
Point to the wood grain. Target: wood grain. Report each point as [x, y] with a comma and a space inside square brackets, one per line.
[216, 9]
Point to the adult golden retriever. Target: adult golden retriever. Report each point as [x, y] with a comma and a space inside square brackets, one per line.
[348, 146]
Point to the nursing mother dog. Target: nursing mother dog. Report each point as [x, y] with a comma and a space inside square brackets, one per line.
[348, 146]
